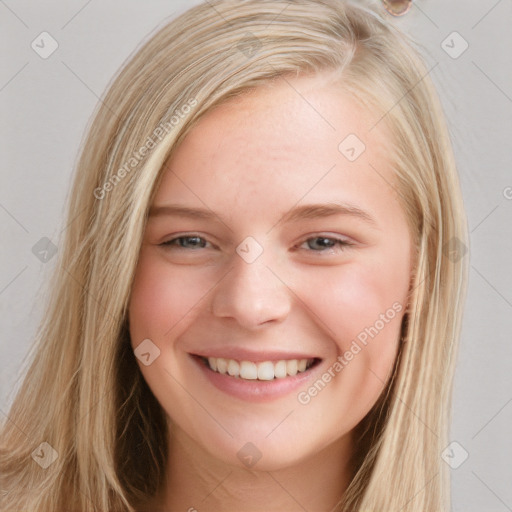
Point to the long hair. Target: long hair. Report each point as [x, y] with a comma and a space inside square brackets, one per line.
[83, 393]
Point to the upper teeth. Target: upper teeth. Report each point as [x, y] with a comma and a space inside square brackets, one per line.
[266, 370]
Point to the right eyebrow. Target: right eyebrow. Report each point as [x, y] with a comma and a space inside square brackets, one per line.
[181, 211]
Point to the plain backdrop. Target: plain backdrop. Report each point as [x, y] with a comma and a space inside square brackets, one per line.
[45, 106]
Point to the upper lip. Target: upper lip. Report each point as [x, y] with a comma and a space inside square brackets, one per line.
[241, 354]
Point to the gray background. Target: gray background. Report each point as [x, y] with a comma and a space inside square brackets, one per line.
[46, 104]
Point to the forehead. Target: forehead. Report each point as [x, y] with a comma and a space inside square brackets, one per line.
[289, 113]
[287, 139]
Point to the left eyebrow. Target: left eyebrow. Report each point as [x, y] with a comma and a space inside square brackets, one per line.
[314, 211]
[308, 211]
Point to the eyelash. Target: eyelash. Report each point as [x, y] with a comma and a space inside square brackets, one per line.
[338, 242]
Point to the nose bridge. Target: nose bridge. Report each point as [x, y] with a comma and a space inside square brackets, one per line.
[251, 293]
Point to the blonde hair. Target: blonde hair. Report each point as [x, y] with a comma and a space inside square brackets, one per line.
[84, 394]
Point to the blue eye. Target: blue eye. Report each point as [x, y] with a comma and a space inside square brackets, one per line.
[186, 242]
[318, 244]
[324, 243]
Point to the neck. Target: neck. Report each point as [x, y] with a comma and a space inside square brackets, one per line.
[197, 481]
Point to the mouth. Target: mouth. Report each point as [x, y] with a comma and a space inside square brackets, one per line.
[258, 371]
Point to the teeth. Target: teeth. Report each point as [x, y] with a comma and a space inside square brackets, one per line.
[280, 370]
[222, 365]
[248, 370]
[266, 370]
[292, 367]
[233, 368]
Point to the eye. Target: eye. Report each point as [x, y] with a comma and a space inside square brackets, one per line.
[324, 244]
[186, 242]
[315, 244]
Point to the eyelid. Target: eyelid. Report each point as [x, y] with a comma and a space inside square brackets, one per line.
[173, 238]
[332, 236]
[341, 242]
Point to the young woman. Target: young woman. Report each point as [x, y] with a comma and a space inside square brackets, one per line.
[258, 300]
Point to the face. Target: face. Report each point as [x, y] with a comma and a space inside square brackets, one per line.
[273, 276]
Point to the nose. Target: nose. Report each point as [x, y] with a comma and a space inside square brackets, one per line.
[251, 294]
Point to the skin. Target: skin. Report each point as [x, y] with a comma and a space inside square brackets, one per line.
[250, 161]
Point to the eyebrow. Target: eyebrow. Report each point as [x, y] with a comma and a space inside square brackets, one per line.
[308, 211]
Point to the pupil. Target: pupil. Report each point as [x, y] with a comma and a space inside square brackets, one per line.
[192, 241]
[322, 243]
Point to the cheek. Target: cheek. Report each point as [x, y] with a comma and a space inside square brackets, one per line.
[163, 298]
[355, 297]
[361, 307]
[363, 310]
[163, 304]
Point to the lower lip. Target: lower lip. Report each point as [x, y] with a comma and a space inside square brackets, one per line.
[255, 390]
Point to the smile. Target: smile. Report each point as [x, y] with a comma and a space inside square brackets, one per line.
[256, 376]
[264, 370]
